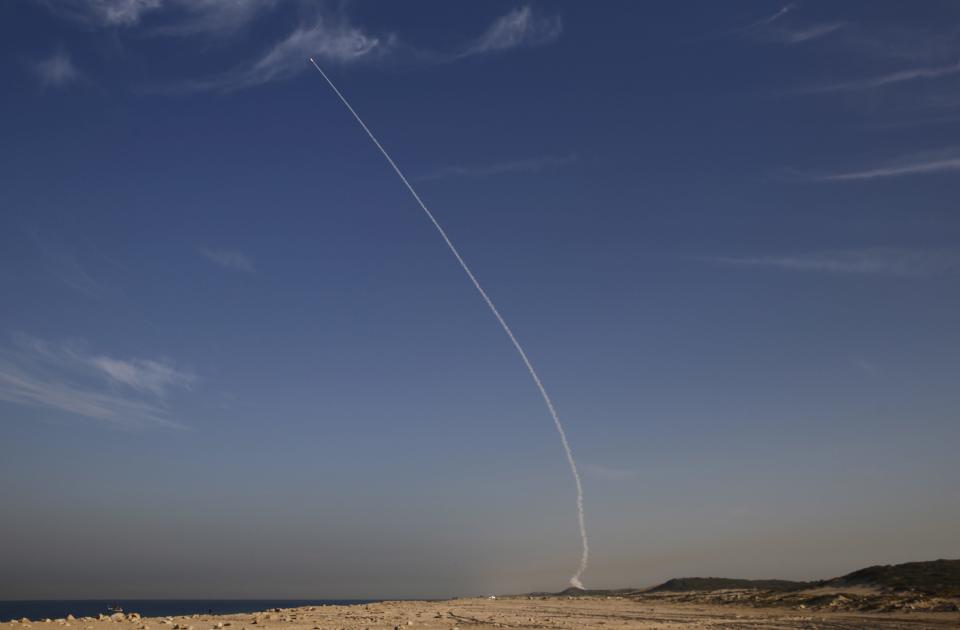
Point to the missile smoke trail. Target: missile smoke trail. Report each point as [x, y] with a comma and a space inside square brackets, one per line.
[575, 579]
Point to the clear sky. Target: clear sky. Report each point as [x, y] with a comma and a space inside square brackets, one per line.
[236, 359]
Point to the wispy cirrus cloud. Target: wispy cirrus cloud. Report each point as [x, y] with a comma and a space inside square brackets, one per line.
[324, 33]
[939, 162]
[172, 17]
[229, 259]
[332, 38]
[924, 53]
[527, 165]
[518, 28]
[895, 262]
[57, 70]
[932, 166]
[770, 19]
[891, 78]
[144, 375]
[333, 41]
[915, 43]
[772, 29]
[806, 34]
[63, 377]
[103, 12]
[195, 17]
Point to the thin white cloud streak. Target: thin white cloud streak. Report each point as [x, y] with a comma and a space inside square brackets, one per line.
[228, 259]
[776, 16]
[515, 166]
[144, 375]
[767, 21]
[212, 16]
[104, 13]
[913, 168]
[39, 374]
[37, 390]
[122, 12]
[808, 34]
[519, 27]
[57, 70]
[770, 30]
[177, 17]
[333, 39]
[328, 40]
[764, 22]
[917, 122]
[893, 78]
[894, 262]
[905, 43]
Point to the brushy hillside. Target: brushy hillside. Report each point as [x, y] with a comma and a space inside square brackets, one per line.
[932, 586]
[681, 585]
[936, 577]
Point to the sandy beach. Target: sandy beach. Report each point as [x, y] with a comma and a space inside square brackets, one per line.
[510, 612]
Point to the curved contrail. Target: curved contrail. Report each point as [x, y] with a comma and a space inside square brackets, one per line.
[575, 579]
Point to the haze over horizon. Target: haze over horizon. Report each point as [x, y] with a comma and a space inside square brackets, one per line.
[236, 360]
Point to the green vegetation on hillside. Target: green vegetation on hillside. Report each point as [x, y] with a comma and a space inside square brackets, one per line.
[935, 577]
[718, 584]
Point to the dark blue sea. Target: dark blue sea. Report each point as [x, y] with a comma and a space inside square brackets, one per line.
[59, 608]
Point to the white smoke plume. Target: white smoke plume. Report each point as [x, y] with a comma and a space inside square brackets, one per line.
[585, 552]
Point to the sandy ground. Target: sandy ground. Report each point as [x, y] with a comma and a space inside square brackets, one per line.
[518, 612]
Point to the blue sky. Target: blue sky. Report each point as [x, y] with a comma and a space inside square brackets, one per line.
[236, 360]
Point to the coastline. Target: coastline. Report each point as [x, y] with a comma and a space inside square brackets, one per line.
[180, 607]
[505, 612]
